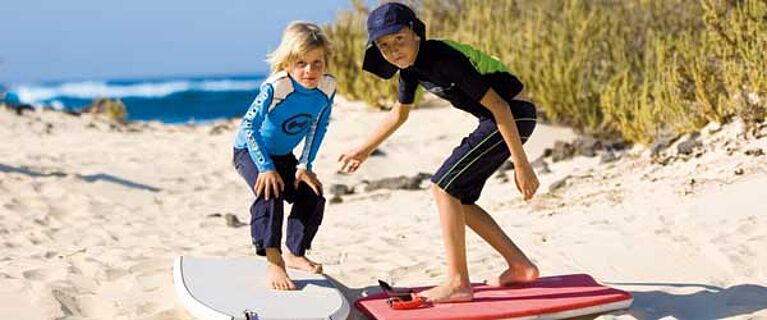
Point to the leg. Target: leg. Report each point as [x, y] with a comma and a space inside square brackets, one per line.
[455, 180]
[303, 222]
[265, 215]
[521, 269]
[265, 224]
[266, 232]
[458, 287]
[278, 277]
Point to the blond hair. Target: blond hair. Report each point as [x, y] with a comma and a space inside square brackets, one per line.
[298, 39]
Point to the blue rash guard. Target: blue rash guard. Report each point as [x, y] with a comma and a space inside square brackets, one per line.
[283, 114]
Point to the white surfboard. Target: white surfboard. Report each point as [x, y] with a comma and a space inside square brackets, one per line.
[229, 289]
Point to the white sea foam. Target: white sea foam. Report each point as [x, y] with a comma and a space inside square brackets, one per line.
[94, 89]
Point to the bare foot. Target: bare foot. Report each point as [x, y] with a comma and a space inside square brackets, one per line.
[278, 278]
[301, 263]
[520, 273]
[447, 293]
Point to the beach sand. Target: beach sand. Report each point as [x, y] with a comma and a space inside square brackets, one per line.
[92, 215]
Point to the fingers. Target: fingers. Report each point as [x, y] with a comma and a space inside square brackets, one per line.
[259, 187]
[311, 181]
[529, 194]
[530, 190]
[350, 165]
[344, 164]
[267, 189]
[526, 186]
[315, 185]
[275, 190]
[278, 186]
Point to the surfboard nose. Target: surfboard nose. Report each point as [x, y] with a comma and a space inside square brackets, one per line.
[235, 288]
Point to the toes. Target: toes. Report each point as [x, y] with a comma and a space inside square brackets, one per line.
[283, 285]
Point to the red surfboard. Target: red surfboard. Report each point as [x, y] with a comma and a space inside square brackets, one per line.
[556, 297]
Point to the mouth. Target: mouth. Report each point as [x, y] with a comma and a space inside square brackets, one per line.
[400, 61]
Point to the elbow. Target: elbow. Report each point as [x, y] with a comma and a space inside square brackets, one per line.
[400, 114]
[500, 110]
[402, 117]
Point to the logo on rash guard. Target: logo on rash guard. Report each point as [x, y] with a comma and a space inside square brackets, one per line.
[296, 124]
[439, 90]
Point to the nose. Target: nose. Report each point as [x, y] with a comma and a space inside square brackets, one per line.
[308, 68]
[392, 50]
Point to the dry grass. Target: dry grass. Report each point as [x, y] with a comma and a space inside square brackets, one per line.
[630, 68]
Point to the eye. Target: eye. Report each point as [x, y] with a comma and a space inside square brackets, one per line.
[300, 64]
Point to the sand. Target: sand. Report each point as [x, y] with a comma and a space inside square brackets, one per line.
[93, 213]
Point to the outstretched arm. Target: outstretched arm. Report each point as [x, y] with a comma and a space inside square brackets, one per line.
[352, 159]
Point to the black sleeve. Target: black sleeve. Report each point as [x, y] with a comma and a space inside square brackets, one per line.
[407, 85]
[458, 70]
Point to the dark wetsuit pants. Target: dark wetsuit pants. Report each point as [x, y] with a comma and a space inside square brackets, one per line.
[266, 216]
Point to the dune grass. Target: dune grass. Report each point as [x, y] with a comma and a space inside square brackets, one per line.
[635, 69]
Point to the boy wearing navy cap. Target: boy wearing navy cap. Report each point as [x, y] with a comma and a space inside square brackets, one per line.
[473, 82]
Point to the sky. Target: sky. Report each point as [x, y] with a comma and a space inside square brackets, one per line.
[128, 39]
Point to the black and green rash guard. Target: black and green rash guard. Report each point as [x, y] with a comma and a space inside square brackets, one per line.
[458, 73]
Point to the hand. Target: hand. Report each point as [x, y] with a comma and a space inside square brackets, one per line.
[352, 160]
[269, 183]
[526, 180]
[310, 179]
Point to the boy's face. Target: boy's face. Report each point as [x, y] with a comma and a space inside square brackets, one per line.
[308, 69]
[400, 48]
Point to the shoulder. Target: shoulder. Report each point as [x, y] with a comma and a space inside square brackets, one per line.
[441, 50]
[440, 56]
[280, 84]
[327, 85]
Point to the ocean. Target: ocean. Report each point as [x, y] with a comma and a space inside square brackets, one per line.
[174, 100]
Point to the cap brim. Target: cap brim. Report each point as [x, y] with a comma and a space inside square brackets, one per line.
[375, 63]
[384, 31]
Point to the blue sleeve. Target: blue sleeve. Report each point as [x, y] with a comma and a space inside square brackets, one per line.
[315, 136]
[251, 123]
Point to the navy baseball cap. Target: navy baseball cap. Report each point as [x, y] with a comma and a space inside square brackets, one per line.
[387, 19]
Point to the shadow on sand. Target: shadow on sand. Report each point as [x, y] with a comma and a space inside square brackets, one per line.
[710, 302]
[352, 294]
[89, 178]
